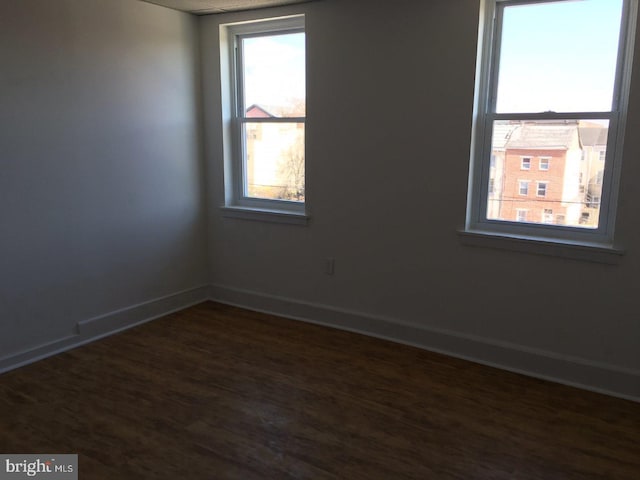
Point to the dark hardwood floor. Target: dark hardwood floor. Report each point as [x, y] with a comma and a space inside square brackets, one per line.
[216, 392]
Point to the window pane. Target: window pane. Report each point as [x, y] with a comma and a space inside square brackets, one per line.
[558, 56]
[274, 161]
[568, 191]
[274, 74]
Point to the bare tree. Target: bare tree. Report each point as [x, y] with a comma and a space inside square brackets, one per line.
[291, 167]
[291, 170]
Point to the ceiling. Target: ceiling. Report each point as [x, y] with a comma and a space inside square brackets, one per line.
[202, 7]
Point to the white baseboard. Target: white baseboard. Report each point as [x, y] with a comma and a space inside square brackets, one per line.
[576, 372]
[108, 324]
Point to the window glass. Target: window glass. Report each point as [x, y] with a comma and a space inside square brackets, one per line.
[558, 56]
[571, 189]
[274, 73]
[274, 161]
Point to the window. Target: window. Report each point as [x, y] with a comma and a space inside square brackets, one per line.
[544, 164]
[547, 215]
[584, 218]
[523, 187]
[593, 201]
[551, 97]
[541, 190]
[599, 177]
[521, 215]
[267, 100]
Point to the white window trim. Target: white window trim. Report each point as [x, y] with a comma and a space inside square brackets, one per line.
[588, 252]
[237, 205]
[522, 164]
[476, 223]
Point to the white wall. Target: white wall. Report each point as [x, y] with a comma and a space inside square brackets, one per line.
[390, 93]
[100, 181]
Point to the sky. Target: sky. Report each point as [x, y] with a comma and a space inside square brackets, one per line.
[274, 68]
[559, 56]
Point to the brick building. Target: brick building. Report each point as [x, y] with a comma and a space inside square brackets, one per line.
[547, 172]
[274, 156]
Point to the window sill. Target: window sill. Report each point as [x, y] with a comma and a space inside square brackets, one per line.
[265, 215]
[543, 246]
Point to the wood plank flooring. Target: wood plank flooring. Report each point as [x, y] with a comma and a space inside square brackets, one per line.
[216, 392]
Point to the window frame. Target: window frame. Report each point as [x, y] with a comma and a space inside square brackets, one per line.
[584, 217]
[522, 211]
[546, 161]
[602, 155]
[237, 203]
[544, 184]
[485, 114]
[524, 183]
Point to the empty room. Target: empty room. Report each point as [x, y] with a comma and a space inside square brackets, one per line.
[321, 239]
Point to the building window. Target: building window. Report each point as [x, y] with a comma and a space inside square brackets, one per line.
[492, 185]
[547, 215]
[584, 218]
[544, 164]
[523, 187]
[521, 215]
[593, 201]
[266, 61]
[552, 116]
[541, 190]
